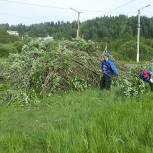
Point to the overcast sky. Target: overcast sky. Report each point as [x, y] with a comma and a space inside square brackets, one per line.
[36, 11]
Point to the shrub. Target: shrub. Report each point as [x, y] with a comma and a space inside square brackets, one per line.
[128, 51]
[6, 49]
[44, 70]
[129, 82]
[18, 45]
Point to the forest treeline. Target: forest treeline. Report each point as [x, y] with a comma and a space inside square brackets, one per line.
[100, 28]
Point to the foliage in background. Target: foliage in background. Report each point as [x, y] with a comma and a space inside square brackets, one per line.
[120, 36]
[5, 38]
[105, 28]
[8, 43]
[128, 49]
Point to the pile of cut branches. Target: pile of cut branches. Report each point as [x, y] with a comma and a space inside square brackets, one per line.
[53, 67]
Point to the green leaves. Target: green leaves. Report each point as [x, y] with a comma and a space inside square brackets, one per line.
[132, 87]
[78, 84]
[129, 83]
[49, 68]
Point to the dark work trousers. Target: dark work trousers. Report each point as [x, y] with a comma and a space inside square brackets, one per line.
[151, 86]
[105, 82]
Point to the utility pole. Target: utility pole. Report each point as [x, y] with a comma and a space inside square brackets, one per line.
[78, 22]
[138, 37]
[138, 33]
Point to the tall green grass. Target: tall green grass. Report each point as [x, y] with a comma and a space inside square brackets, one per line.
[87, 122]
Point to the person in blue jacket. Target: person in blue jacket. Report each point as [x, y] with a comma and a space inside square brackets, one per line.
[108, 69]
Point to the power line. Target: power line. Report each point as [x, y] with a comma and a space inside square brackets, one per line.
[34, 4]
[123, 5]
[67, 8]
[102, 11]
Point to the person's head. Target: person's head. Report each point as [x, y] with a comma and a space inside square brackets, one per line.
[106, 55]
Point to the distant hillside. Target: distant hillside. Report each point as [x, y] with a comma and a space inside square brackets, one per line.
[103, 28]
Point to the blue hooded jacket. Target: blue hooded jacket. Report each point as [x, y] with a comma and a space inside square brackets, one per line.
[108, 68]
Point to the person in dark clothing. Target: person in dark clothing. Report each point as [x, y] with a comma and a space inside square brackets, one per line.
[108, 69]
[145, 75]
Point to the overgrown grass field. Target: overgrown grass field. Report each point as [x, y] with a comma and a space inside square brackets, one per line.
[92, 121]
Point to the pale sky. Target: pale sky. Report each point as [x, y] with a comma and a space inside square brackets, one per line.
[36, 11]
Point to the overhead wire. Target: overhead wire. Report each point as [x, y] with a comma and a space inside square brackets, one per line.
[35, 4]
[68, 8]
[123, 5]
[111, 10]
